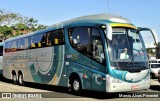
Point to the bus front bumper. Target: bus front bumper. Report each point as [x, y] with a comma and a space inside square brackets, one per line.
[115, 85]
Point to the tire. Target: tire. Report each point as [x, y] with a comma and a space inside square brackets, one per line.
[14, 78]
[20, 80]
[76, 86]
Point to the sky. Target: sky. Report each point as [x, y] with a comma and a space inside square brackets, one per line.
[143, 13]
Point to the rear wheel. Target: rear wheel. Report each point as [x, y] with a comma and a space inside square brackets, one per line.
[20, 79]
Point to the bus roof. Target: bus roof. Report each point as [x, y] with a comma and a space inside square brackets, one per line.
[97, 18]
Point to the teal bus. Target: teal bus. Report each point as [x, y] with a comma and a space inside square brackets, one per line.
[82, 54]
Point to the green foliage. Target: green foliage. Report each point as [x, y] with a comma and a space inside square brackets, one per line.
[21, 26]
[151, 51]
[158, 44]
[14, 24]
[5, 31]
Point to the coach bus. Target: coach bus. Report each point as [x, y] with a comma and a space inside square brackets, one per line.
[1, 57]
[81, 53]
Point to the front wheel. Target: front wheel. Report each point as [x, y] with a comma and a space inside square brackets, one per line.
[76, 86]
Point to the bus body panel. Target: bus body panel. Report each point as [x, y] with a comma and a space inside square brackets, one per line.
[40, 66]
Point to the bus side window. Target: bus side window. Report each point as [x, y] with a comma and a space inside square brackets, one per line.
[80, 39]
[87, 40]
[38, 41]
[14, 46]
[27, 43]
[42, 43]
[55, 37]
[21, 44]
[7, 47]
[98, 50]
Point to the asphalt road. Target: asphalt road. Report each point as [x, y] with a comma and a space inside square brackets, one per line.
[52, 93]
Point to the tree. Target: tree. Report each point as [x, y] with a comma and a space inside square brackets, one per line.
[21, 26]
[5, 31]
[158, 45]
[8, 18]
[13, 24]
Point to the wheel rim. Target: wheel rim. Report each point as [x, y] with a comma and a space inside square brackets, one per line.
[14, 78]
[76, 85]
[20, 79]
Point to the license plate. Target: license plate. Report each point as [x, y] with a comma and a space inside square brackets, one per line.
[135, 87]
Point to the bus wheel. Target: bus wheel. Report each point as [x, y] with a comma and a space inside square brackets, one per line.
[14, 78]
[20, 79]
[76, 86]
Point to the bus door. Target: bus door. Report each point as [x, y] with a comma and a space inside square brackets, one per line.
[79, 55]
[89, 54]
[98, 60]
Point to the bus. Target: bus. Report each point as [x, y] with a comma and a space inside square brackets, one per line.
[1, 57]
[82, 54]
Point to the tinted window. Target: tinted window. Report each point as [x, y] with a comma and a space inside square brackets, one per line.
[21, 45]
[55, 38]
[80, 35]
[27, 42]
[14, 46]
[97, 50]
[87, 40]
[38, 41]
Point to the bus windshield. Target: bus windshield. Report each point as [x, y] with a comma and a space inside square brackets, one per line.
[126, 49]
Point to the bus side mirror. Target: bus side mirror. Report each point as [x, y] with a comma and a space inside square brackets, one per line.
[109, 32]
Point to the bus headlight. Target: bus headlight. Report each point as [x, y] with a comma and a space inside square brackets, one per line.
[111, 79]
